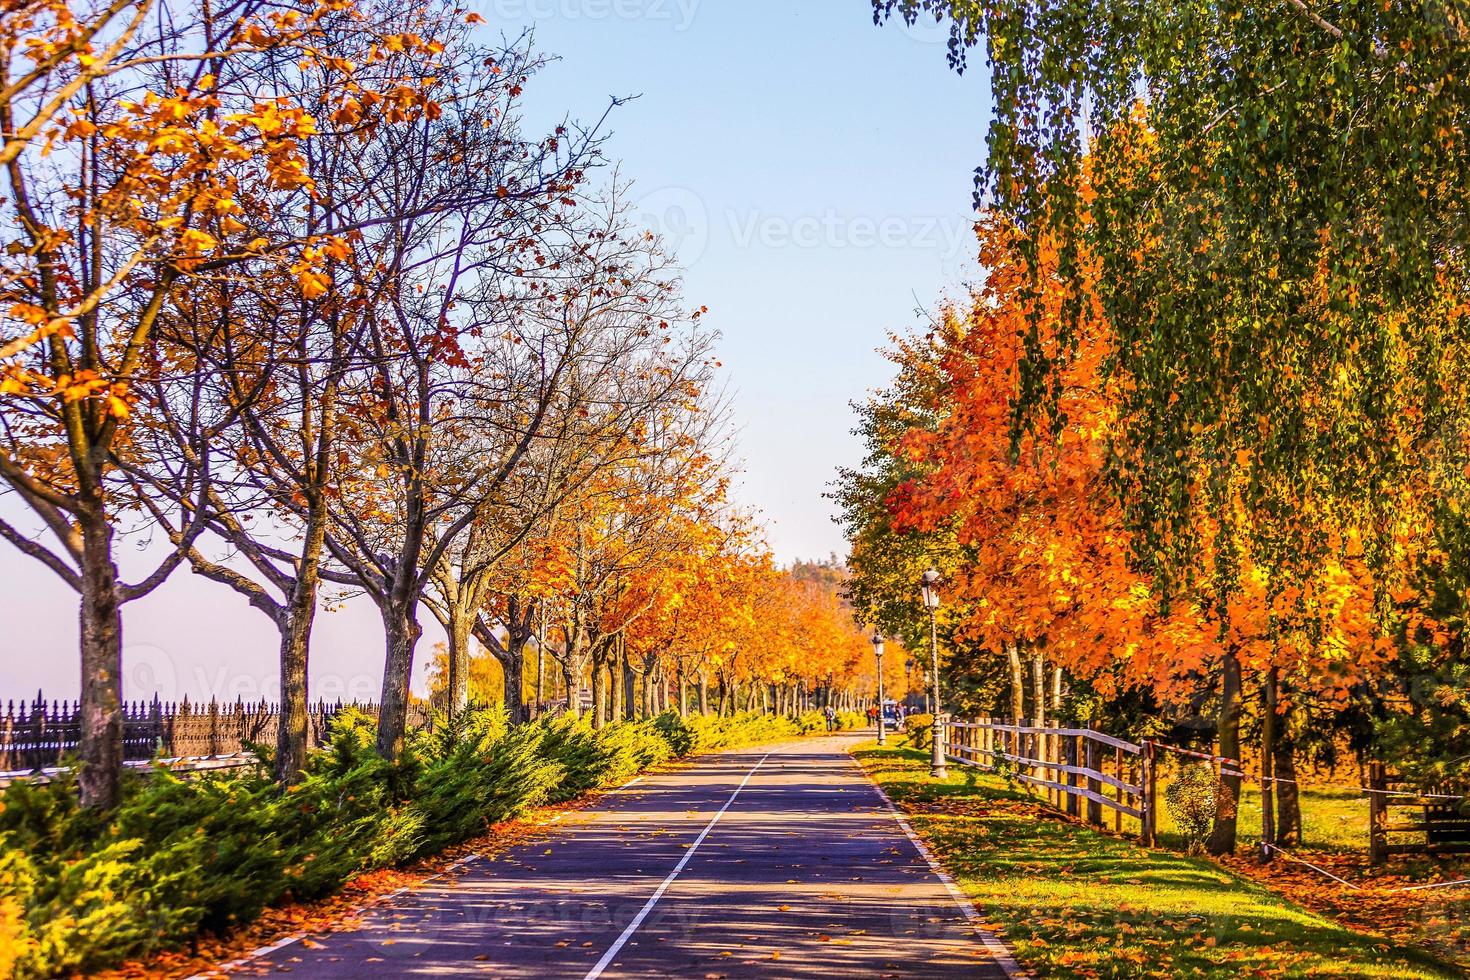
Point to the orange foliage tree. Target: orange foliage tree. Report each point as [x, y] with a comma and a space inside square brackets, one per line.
[137, 156]
[1029, 528]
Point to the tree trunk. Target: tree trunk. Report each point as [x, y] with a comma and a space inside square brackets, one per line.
[1288, 798]
[599, 700]
[1018, 682]
[629, 685]
[1269, 720]
[298, 615]
[540, 672]
[460, 623]
[573, 664]
[615, 688]
[572, 679]
[101, 732]
[511, 655]
[683, 692]
[703, 693]
[1222, 839]
[1056, 691]
[1038, 688]
[645, 690]
[402, 630]
[513, 666]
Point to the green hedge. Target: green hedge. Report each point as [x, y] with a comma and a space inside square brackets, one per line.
[81, 891]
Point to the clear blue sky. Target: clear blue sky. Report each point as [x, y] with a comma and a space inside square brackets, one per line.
[813, 172]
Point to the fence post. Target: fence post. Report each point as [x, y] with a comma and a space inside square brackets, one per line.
[1070, 757]
[1043, 755]
[7, 739]
[1377, 813]
[155, 727]
[38, 731]
[213, 727]
[1026, 748]
[1118, 794]
[1147, 797]
[1054, 756]
[1094, 808]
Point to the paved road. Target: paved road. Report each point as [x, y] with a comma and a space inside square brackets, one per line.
[783, 863]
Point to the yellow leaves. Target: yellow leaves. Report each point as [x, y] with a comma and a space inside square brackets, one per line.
[313, 284]
[289, 173]
[194, 241]
[348, 113]
[29, 313]
[83, 384]
[337, 248]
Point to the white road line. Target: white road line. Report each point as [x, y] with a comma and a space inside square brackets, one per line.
[627, 934]
[999, 951]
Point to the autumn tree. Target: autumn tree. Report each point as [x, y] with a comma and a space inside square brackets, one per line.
[629, 361]
[133, 136]
[1268, 211]
[499, 278]
[265, 354]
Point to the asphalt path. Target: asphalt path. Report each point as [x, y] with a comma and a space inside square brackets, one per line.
[783, 862]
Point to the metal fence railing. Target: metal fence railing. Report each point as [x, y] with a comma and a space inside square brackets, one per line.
[41, 734]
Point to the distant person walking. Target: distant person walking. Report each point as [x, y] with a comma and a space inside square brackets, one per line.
[831, 718]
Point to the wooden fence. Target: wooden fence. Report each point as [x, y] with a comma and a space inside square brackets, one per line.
[1080, 771]
[1404, 818]
[40, 734]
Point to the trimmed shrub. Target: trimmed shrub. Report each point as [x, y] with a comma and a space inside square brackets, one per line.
[81, 891]
[1192, 799]
[676, 731]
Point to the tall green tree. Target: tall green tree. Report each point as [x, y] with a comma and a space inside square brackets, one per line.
[1272, 198]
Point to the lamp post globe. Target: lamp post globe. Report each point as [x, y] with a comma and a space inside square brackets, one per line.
[929, 590]
[878, 655]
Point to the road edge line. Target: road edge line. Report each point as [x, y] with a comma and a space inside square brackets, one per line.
[1003, 955]
[612, 951]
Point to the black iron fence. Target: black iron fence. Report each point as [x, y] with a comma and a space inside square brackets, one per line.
[40, 734]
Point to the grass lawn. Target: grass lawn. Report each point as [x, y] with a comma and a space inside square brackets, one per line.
[1076, 903]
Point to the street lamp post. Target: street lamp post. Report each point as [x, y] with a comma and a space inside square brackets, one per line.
[930, 591]
[878, 653]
